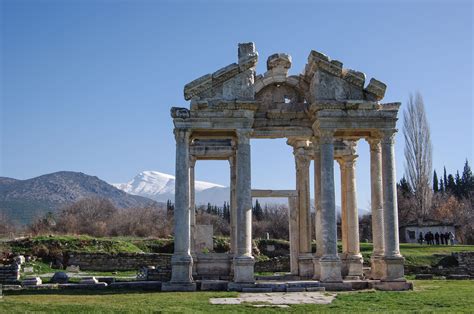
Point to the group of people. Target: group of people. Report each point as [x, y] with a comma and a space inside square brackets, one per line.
[437, 238]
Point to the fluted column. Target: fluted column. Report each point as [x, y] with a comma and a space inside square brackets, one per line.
[293, 234]
[317, 206]
[233, 206]
[392, 258]
[342, 171]
[192, 201]
[244, 261]
[181, 260]
[352, 258]
[376, 207]
[330, 264]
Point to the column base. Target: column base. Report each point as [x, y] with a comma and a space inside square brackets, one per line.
[172, 286]
[393, 269]
[181, 269]
[330, 267]
[377, 267]
[316, 268]
[351, 267]
[305, 266]
[244, 269]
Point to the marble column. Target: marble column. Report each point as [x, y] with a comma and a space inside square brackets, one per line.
[317, 206]
[342, 256]
[181, 261]
[352, 259]
[330, 264]
[244, 261]
[233, 206]
[293, 234]
[377, 265]
[392, 259]
[302, 163]
[192, 201]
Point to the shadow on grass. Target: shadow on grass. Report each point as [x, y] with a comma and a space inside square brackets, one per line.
[105, 291]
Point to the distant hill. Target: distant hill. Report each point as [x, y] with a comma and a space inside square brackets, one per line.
[24, 200]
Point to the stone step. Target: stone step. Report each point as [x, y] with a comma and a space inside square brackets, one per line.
[257, 290]
[303, 284]
[295, 289]
[214, 285]
[315, 289]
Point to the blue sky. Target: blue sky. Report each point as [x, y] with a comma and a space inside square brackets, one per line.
[87, 85]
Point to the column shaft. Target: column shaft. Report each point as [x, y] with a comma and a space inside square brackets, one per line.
[293, 234]
[392, 259]
[233, 206]
[376, 196]
[317, 206]
[243, 261]
[329, 262]
[192, 201]
[182, 260]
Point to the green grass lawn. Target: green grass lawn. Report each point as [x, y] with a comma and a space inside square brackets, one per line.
[429, 296]
[420, 255]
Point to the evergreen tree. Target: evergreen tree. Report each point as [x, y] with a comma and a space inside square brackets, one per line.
[467, 180]
[441, 185]
[209, 208]
[458, 185]
[435, 182]
[257, 211]
[404, 186]
[451, 185]
[445, 179]
[169, 207]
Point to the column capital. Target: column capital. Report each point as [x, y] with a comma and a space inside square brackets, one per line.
[374, 143]
[243, 136]
[326, 136]
[388, 136]
[181, 135]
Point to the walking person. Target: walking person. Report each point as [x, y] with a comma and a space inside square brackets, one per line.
[451, 238]
[420, 238]
[436, 236]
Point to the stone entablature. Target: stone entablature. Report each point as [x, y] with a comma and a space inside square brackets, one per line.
[322, 112]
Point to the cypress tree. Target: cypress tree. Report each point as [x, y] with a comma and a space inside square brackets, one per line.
[441, 185]
[435, 182]
[451, 185]
[467, 180]
[445, 179]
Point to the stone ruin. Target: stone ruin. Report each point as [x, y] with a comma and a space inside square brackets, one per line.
[322, 112]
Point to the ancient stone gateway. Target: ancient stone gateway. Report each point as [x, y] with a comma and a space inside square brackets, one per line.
[322, 112]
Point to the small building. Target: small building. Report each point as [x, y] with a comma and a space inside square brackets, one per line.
[410, 232]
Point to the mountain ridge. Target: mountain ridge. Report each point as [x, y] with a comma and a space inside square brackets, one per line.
[24, 200]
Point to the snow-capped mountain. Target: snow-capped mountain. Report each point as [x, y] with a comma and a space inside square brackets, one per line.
[160, 187]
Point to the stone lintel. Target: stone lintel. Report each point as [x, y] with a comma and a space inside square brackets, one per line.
[274, 193]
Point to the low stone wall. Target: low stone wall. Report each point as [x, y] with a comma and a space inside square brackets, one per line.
[466, 261]
[9, 274]
[120, 261]
[465, 266]
[275, 264]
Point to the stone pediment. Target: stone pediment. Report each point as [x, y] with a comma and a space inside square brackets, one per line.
[229, 82]
[323, 80]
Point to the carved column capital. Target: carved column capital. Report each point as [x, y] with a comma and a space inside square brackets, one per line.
[374, 143]
[181, 135]
[388, 136]
[349, 161]
[243, 136]
[326, 136]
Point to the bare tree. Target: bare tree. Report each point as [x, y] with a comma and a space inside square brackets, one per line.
[418, 153]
